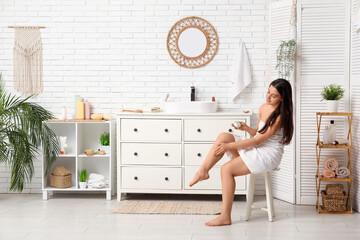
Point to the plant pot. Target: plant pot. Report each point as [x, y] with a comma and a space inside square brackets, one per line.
[82, 185]
[106, 149]
[332, 105]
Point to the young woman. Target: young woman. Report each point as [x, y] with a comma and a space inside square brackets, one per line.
[261, 153]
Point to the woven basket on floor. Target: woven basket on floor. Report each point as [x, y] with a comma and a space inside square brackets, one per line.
[334, 202]
[61, 178]
[334, 189]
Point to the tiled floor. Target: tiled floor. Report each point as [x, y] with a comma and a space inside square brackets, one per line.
[75, 216]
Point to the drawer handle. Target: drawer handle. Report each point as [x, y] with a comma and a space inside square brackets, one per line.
[136, 178]
[135, 153]
[199, 154]
[166, 154]
[230, 130]
[135, 130]
[166, 130]
[166, 179]
[199, 130]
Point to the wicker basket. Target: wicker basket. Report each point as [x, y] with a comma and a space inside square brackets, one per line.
[334, 189]
[61, 178]
[334, 202]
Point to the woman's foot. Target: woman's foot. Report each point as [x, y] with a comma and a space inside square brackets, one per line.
[219, 221]
[200, 175]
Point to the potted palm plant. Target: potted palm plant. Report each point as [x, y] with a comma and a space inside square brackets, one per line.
[332, 94]
[22, 133]
[83, 177]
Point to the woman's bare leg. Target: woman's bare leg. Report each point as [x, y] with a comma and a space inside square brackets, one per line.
[211, 159]
[231, 169]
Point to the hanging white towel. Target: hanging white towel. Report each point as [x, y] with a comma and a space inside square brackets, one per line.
[240, 73]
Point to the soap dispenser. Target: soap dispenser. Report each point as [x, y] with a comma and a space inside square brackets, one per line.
[332, 131]
[192, 93]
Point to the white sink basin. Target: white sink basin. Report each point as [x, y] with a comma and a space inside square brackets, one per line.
[190, 107]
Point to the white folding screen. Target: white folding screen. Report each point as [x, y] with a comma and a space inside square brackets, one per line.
[355, 105]
[280, 29]
[323, 46]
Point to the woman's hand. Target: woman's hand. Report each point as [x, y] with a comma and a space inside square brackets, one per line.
[222, 148]
[243, 126]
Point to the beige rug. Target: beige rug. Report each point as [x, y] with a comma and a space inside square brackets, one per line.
[167, 207]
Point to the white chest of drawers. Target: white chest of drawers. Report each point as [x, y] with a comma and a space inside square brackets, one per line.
[160, 153]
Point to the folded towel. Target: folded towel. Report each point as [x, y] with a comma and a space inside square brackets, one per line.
[94, 177]
[96, 180]
[240, 73]
[342, 172]
[331, 163]
[99, 185]
[328, 173]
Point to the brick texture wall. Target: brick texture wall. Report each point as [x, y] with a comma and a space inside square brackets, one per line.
[114, 54]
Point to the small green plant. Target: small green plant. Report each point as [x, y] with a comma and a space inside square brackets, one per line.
[332, 92]
[83, 175]
[105, 139]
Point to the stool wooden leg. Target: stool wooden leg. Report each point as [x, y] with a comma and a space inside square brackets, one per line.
[250, 199]
[268, 196]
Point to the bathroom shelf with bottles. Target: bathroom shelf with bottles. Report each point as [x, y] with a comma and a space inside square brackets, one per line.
[347, 146]
[81, 135]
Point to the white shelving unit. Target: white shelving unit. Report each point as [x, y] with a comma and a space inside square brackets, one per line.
[83, 135]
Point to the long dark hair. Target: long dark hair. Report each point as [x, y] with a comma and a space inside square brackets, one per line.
[284, 109]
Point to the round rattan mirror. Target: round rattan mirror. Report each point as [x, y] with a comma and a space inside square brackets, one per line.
[192, 42]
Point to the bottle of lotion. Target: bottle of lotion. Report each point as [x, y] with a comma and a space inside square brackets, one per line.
[332, 131]
[87, 109]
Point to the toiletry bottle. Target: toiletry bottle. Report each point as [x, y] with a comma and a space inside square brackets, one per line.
[76, 98]
[332, 131]
[87, 109]
[192, 93]
[326, 135]
[80, 111]
[63, 113]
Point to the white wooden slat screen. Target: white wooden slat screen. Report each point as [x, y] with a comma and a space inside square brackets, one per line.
[355, 109]
[279, 17]
[324, 58]
[283, 181]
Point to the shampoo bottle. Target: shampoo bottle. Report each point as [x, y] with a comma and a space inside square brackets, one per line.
[80, 111]
[332, 131]
[76, 98]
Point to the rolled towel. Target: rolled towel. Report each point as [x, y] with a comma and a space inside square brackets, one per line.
[328, 173]
[342, 172]
[331, 163]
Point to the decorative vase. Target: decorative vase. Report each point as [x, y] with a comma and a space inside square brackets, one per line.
[332, 105]
[82, 185]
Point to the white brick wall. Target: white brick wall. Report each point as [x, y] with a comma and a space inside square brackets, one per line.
[114, 53]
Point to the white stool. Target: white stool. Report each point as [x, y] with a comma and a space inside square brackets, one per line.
[269, 197]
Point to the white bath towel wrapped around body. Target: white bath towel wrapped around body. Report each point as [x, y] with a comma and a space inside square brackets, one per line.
[265, 156]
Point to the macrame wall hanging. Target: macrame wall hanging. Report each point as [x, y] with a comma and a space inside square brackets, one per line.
[27, 60]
